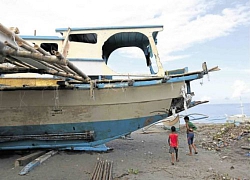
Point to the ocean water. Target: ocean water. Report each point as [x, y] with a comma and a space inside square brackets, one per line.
[217, 113]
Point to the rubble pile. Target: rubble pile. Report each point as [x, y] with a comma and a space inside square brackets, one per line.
[225, 135]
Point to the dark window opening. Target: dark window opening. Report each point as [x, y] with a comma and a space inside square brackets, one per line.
[84, 38]
[49, 47]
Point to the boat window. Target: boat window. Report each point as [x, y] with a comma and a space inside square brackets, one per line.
[84, 38]
[129, 60]
[49, 47]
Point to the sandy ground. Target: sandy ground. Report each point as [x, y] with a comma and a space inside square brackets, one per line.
[144, 157]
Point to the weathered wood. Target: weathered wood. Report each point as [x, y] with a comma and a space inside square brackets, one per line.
[37, 162]
[26, 159]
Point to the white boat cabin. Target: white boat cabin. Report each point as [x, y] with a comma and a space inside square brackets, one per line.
[90, 48]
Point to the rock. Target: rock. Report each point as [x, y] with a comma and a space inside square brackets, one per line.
[217, 149]
[210, 169]
[224, 157]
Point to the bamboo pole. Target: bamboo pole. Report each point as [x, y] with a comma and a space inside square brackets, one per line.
[94, 172]
[105, 171]
[11, 34]
[21, 62]
[28, 48]
[65, 68]
[58, 55]
[52, 66]
[65, 42]
[5, 70]
[15, 63]
[10, 45]
[98, 171]
[36, 47]
[35, 56]
[64, 75]
[110, 171]
[75, 69]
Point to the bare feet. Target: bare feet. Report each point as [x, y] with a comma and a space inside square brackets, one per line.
[189, 154]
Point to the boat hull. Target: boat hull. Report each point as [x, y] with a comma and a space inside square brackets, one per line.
[54, 117]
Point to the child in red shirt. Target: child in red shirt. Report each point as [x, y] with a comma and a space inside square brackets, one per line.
[173, 143]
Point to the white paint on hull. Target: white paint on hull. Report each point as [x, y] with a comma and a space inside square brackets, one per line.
[37, 107]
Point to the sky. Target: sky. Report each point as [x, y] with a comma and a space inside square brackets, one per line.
[213, 31]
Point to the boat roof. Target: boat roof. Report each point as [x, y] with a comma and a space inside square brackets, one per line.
[29, 37]
[108, 28]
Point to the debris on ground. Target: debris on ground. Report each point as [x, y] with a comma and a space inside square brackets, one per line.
[225, 135]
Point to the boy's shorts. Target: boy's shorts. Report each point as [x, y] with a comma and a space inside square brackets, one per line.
[190, 138]
[173, 150]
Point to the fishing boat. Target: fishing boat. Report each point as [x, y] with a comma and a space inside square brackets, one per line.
[238, 118]
[59, 92]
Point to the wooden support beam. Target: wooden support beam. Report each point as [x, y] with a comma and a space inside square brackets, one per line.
[26, 159]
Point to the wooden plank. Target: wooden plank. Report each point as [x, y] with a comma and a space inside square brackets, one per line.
[37, 162]
[26, 159]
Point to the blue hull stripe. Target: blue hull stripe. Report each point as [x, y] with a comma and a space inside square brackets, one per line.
[104, 131]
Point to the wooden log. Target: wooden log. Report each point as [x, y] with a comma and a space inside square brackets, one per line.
[26, 159]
